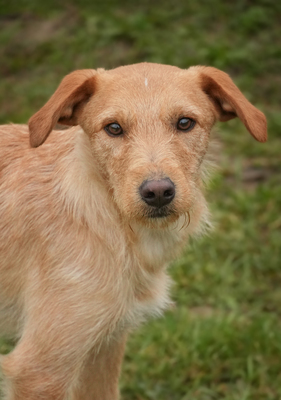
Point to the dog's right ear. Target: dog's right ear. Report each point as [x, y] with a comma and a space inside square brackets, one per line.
[64, 106]
[229, 102]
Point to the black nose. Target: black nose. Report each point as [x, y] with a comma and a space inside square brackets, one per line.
[157, 193]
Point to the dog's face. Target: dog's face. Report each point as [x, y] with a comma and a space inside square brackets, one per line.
[149, 138]
[149, 128]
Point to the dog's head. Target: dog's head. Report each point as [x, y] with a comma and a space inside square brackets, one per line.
[149, 128]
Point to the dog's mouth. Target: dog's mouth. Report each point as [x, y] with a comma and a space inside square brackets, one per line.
[163, 212]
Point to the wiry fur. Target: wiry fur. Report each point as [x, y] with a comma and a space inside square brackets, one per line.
[82, 259]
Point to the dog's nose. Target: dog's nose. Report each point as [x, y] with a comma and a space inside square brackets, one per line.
[157, 193]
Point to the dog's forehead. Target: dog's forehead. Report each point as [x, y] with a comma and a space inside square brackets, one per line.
[148, 82]
[147, 75]
[144, 68]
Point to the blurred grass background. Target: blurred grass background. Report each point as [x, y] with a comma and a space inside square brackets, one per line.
[223, 339]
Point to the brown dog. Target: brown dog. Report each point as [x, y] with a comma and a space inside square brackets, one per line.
[90, 219]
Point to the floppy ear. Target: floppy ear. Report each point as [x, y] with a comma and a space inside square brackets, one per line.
[64, 106]
[230, 102]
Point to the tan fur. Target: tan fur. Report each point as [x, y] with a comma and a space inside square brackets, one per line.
[81, 262]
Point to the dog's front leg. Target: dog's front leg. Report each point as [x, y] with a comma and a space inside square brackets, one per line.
[52, 360]
[33, 374]
[100, 374]
[97, 379]
[30, 373]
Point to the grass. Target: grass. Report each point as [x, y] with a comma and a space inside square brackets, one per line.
[222, 339]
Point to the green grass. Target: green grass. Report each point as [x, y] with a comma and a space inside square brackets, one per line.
[222, 340]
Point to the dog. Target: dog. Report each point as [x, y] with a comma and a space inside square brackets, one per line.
[91, 216]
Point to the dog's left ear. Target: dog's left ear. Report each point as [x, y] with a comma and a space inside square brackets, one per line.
[64, 106]
[230, 102]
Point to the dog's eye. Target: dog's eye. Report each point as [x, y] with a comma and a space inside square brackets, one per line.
[113, 129]
[185, 124]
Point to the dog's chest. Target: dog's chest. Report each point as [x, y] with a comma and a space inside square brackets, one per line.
[148, 279]
[149, 298]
